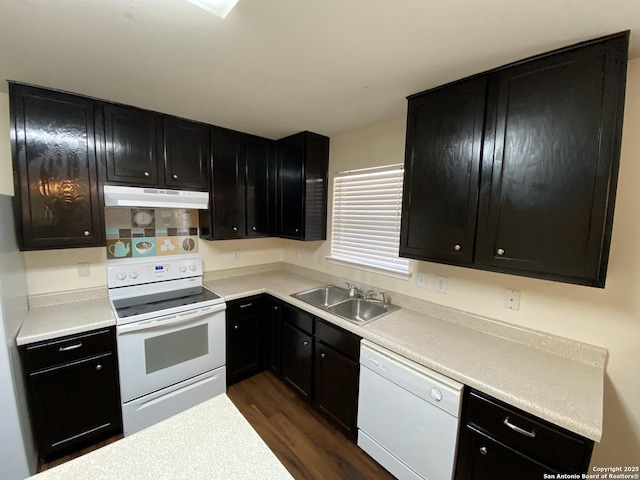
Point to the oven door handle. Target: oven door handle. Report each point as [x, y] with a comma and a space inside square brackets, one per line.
[178, 319]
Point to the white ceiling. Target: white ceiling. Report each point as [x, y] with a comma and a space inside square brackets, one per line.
[276, 67]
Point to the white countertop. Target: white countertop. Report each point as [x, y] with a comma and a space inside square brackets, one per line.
[209, 441]
[559, 380]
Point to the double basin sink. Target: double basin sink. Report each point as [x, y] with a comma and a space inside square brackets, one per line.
[336, 300]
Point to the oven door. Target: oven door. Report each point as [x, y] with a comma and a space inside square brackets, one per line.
[163, 351]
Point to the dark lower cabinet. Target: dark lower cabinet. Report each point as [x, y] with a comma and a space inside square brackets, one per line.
[336, 387]
[58, 202]
[501, 442]
[245, 344]
[73, 391]
[274, 308]
[297, 359]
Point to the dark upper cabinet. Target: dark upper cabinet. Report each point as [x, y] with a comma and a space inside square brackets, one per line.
[133, 145]
[242, 187]
[303, 162]
[55, 169]
[144, 148]
[186, 153]
[260, 187]
[549, 192]
[227, 185]
[547, 158]
[442, 170]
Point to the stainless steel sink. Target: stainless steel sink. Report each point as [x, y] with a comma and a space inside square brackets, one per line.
[361, 310]
[323, 297]
[337, 301]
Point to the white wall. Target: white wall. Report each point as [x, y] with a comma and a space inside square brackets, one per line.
[608, 317]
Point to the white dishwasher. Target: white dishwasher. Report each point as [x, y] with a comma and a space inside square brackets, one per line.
[408, 415]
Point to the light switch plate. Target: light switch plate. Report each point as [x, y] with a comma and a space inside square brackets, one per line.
[84, 270]
[421, 280]
[236, 256]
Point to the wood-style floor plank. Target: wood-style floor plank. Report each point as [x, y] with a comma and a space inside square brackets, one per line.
[309, 446]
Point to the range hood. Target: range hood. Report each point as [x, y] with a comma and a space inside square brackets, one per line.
[116, 196]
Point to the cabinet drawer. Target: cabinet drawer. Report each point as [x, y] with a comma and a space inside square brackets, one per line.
[537, 439]
[67, 349]
[244, 307]
[298, 318]
[344, 342]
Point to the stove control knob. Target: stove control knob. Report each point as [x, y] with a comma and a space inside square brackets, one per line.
[192, 267]
[122, 276]
[133, 274]
[183, 268]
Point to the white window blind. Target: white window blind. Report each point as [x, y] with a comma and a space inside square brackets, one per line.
[366, 218]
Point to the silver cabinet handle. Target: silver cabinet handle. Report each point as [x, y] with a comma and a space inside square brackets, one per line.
[457, 248]
[515, 428]
[87, 233]
[235, 327]
[70, 347]
[483, 450]
[175, 177]
[254, 228]
[98, 367]
[275, 307]
[305, 343]
[500, 251]
[235, 229]
[323, 355]
[146, 174]
[246, 305]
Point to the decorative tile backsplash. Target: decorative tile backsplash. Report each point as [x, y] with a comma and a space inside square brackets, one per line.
[150, 232]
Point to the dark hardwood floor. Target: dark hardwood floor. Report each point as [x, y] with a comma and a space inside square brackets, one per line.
[309, 446]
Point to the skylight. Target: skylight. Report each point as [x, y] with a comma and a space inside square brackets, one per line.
[217, 7]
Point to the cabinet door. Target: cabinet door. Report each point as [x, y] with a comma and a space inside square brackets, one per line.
[274, 309]
[291, 187]
[548, 200]
[336, 387]
[75, 404]
[228, 195]
[442, 167]
[297, 359]
[260, 187]
[186, 153]
[481, 458]
[245, 347]
[132, 145]
[55, 170]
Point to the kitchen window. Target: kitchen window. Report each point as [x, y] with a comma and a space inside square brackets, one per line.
[367, 206]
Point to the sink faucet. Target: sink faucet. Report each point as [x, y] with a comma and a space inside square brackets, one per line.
[354, 292]
[370, 296]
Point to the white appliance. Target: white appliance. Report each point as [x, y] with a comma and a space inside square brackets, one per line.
[408, 415]
[18, 457]
[170, 335]
[118, 196]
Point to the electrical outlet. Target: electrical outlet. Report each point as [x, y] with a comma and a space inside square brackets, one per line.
[236, 256]
[512, 299]
[421, 280]
[83, 269]
[441, 284]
